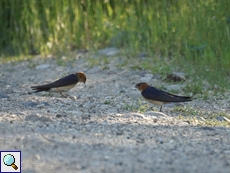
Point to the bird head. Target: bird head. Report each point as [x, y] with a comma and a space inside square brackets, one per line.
[81, 76]
[141, 86]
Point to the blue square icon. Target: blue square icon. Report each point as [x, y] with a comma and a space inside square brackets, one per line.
[10, 161]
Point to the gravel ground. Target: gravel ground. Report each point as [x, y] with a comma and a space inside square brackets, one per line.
[92, 132]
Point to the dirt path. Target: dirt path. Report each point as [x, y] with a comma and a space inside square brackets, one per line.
[95, 131]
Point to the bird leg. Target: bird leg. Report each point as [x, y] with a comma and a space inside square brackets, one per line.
[66, 96]
[63, 95]
[161, 108]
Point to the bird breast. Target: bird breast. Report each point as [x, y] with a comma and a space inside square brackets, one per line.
[62, 89]
[158, 103]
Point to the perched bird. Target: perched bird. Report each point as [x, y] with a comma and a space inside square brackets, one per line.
[159, 97]
[62, 85]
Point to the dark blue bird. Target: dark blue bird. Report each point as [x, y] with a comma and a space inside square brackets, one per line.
[62, 85]
[159, 97]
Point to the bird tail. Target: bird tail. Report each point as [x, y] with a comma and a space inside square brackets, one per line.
[181, 98]
[184, 99]
[40, 88]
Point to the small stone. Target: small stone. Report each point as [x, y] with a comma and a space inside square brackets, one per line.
[37, 157]
[94, 70]
[42, 67]
[156, 114]
[154, 120]
[133, 94]
[160, 140]
[180, 74]
[29, 104]
[34, 118]
[58, 115]
[45, 103]
[9, 91]
[141, 140]
[41, 106]
[111, 110]
[119, 132]
[142, 55]
[109, 51]
[104, 123]
[19, 113]
[132, 114]
[104, 107]
[206, 128]
[221, 118]
[147, 77]
[83, 123]
[174, 87]
[200, 118]
[122, 91]
[88, 105]
[3, 95]
[119, 163]
[220, 128]
[85, 117]
[142, 73]
[140, 160]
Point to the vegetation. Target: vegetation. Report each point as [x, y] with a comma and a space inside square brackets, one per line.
[202, 118]
[192, 35]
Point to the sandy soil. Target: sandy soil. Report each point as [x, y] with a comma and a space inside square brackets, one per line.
[93, 132]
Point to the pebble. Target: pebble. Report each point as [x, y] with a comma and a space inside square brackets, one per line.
[35, 118]
[103, 107]
[156, 114]
[142, 55]
[29, 104]
[58, 115]
[221, 118]
[174, 87]
[180, 74]
[94, 70]
[133, 94]
[86, 116]
[206, 128]
[3, 95]
[119, 132]
[88, 105]
[134, 115]
[109, 51]
[42, 67]
[200, 118]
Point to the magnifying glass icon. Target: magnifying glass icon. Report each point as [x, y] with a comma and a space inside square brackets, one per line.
[9, 160]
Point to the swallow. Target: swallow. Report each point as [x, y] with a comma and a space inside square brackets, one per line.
[159, 97]
[62, 85]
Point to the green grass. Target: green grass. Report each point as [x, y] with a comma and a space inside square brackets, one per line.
[136, 107]
[192, 36]
[209, 119]
[107, 102]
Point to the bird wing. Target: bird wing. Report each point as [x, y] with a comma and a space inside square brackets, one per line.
[65, 81]
[152, 93]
